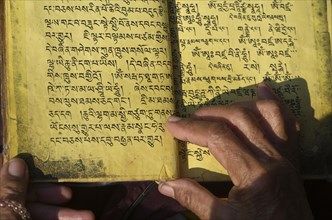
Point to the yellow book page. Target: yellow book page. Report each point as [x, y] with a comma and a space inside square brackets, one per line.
[90, 89]
[228, 47]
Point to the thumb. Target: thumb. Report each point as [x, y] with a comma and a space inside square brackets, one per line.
[196, 198]
[13, 182]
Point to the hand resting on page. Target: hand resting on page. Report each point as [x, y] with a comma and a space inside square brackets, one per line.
[257, 142]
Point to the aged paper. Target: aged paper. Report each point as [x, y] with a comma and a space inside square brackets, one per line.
[89, 84]
[91, 89]
[227, 47]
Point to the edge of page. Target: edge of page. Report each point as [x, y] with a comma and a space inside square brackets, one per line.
[8, 100]
[2, 71]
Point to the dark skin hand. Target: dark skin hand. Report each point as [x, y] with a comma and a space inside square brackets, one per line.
[257, 142]
[42, 200]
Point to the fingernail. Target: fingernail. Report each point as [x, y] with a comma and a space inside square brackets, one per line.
[16, 168]
[166, 190]
[265, 91]
[264, 86]
[174, 118]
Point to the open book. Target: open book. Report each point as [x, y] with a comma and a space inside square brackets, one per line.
[87, 85]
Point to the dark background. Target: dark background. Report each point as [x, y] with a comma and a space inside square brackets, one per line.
[319, 193]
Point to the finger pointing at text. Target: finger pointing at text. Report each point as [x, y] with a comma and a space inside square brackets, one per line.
[256, 142]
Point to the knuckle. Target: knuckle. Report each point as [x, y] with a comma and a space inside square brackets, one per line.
[12, 189]
[242, 113]
[273, 106]
[217, 134]
[186, 198]
[217, 130]
[187, 194]
[262, 171]
[259, 173]
[189, 126]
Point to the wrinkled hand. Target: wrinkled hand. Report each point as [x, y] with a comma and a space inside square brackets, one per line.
[257, 142]
[40, 199]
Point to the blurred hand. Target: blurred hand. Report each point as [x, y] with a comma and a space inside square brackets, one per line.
[257, 142]
[40, 199]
